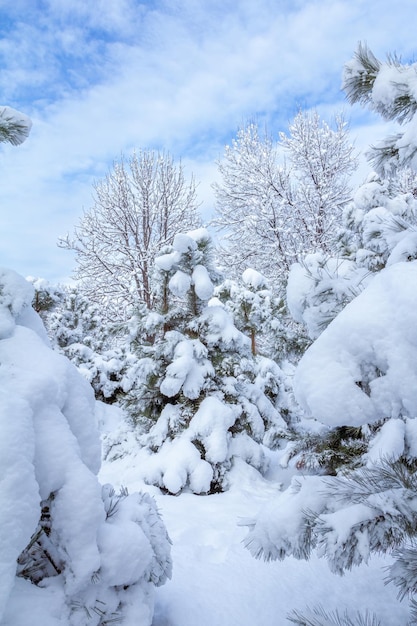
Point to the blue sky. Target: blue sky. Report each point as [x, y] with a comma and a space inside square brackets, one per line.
[101, 77]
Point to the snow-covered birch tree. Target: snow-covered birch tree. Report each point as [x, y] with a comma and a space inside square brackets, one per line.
[138, 207]
[278, 201]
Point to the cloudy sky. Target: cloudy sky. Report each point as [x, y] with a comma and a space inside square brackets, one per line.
[99, 78]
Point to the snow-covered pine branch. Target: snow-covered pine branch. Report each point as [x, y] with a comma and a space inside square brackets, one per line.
[318, 616]
[14, 126]
[389, 89]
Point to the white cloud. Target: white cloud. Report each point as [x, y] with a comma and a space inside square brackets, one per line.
[100, 77]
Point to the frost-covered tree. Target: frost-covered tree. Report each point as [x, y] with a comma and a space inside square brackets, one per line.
[94, 555]
[389, 89]
[273, 213]
[200, 401]
[138, 207]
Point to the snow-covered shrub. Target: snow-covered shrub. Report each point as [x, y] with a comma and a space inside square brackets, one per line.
[100, 553]
[80, 330]
[200, 397]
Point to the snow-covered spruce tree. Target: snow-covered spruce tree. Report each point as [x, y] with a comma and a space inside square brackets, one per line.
[272, 214]
[94, 555]
[138, 207]
[389, 89]
[200, 401]
[78, 329]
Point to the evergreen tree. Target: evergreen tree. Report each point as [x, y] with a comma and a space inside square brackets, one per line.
[360, 375]
[199, 400]
[263, 316]
[377, 229]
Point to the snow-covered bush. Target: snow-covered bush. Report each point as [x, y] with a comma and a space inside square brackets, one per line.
[200, 398]
[78, 329]
[98, 552]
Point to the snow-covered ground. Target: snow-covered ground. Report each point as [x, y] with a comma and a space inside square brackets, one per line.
[216, 582]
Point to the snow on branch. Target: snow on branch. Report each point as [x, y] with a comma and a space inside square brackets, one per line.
[388, 88]
[14, 126]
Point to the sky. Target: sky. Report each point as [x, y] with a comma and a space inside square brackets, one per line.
[100, 78]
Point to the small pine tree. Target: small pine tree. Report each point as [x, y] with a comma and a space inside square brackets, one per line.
[263, 317]
[198, 401]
